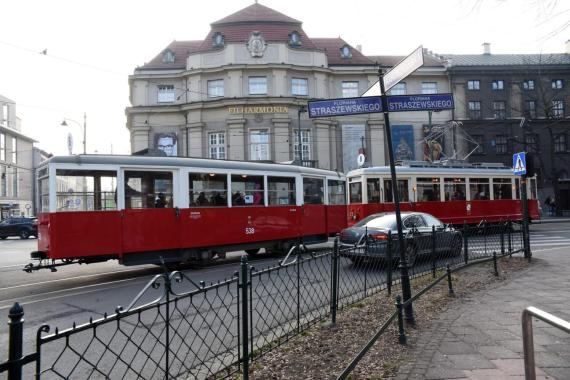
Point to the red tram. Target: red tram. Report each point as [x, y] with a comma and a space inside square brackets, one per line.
[456, 193]
[142, 210]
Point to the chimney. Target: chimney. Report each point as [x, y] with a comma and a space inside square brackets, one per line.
[486, 48]
[568, 47]
[359, 47]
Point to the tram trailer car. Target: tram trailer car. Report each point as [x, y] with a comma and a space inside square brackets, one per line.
[456, 194]
[141, 210]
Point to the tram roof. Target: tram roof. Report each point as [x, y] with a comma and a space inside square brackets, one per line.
[127, 160]
[463, 171]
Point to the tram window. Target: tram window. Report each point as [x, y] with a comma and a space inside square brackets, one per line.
[313, 191]
[208, 189]
[281, 191]
[454, 189]
[84, 190]
[337, 192]
[533, 188]
[428, 189]
[148, 189]
[517, 188]
[479, 189]
[43, 185]
[355, 192]
[247, 190]
[402, 190]
[502, 188]
[373, 187]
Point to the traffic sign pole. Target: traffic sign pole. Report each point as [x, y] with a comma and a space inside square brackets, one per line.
[405, 278]
[525, 231]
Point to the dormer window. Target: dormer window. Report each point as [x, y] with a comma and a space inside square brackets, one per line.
[168, 56]
[295, 39]
[345, 52]
[218, 40]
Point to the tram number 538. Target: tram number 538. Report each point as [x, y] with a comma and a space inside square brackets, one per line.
[249, 230]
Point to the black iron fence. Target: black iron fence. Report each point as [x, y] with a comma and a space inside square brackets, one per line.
[177, 328]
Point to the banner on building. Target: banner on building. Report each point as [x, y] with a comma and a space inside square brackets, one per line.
[403, 142]
[434, 142]
[352, 135]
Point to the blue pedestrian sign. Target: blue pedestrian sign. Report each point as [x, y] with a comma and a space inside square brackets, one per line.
[344, 106]
[519, 163]
[431, 102]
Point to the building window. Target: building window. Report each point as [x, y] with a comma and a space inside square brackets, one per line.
[560, 143]
[3, 180]
[557, 109]
[2, 147]
[14, 152]
[473, 85]
[501, 146]
[300, 86]
[259, 145]
[499, 110]
[399, 89]
[305, 144]
[14, 182]
[528, 85]
[345, 52]
[217, 141]
[557, 84]
[166, 93]
[498, 85]
[530, 109]
[215, 88]
[5, 110]
[218, 40]
[475, 110]
[349, 89]
[294, 39]
[429, 88]
[531, 142]
[257, 85]
[168, 56]
[480, 141]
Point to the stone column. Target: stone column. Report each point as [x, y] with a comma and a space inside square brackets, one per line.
[236, 139]
[376, 150]
[194, 139]
[281, 146]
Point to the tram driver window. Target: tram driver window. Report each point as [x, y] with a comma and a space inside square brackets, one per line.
[402, 190]
[281, 191]
[502, 188]
[85, 190]
[148, 189]
[313, 191]
[428, 189]
[247, 190]
[208, 190]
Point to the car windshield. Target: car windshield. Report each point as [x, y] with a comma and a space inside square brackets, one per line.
[432, 220]
[387, 221]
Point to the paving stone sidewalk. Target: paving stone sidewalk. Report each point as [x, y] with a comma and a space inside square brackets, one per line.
[480, 336]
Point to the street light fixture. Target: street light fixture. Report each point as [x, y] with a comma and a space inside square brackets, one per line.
[64, 123]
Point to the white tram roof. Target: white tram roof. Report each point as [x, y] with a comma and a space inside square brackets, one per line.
[435, 170]
[204, 163]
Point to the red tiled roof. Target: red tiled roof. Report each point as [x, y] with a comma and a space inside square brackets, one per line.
[332, 46]
[256, 13]
[181, 49]
[277, 32]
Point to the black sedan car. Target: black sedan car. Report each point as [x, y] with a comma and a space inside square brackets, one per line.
[368, 239]
[18, 226]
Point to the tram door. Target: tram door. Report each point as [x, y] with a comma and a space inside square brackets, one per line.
[313, 220]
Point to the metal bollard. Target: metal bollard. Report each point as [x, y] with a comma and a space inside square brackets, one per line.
[401, 331]
[449, 282]
[495, 263]
[16, 341]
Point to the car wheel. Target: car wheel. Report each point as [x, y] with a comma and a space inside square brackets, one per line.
[253, 251]
[24, 234]
[411, 254]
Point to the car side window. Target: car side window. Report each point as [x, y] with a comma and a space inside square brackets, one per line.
[410, 222]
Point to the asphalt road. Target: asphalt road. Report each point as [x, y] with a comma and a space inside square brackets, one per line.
[77, 292]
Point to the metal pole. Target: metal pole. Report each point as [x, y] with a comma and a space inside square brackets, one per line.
[334, 285]
[299, 144]
[528, 346]
[449, 280]
[401, 331]
[244, 319]
[16, 323]
[524, 201]
[406, 288]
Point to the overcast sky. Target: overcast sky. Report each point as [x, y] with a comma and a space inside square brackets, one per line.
[92, 47]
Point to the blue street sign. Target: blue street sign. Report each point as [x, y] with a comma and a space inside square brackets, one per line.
[431, 102]
[519, 163]
[344, 106]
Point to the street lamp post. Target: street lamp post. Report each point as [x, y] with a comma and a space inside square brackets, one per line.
[64, 123]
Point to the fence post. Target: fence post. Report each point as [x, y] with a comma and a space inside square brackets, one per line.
[465, 242]
[509, 230]
[433, 251]
[366, 258]
[449, 282]
[390, 264]
[495, 264]
[502, 239]
[243, 280]
[16, 341]
[401, 331]
[298, 288]
[334, 284]
[168, 289]
[485, 237]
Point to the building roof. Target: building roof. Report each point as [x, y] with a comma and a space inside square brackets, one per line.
[181, 50]
[18, 134]
[506, 59]
[392, 60]
[332, 46]
[256, 13]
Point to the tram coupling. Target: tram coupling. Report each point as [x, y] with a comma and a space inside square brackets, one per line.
[44, 263]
